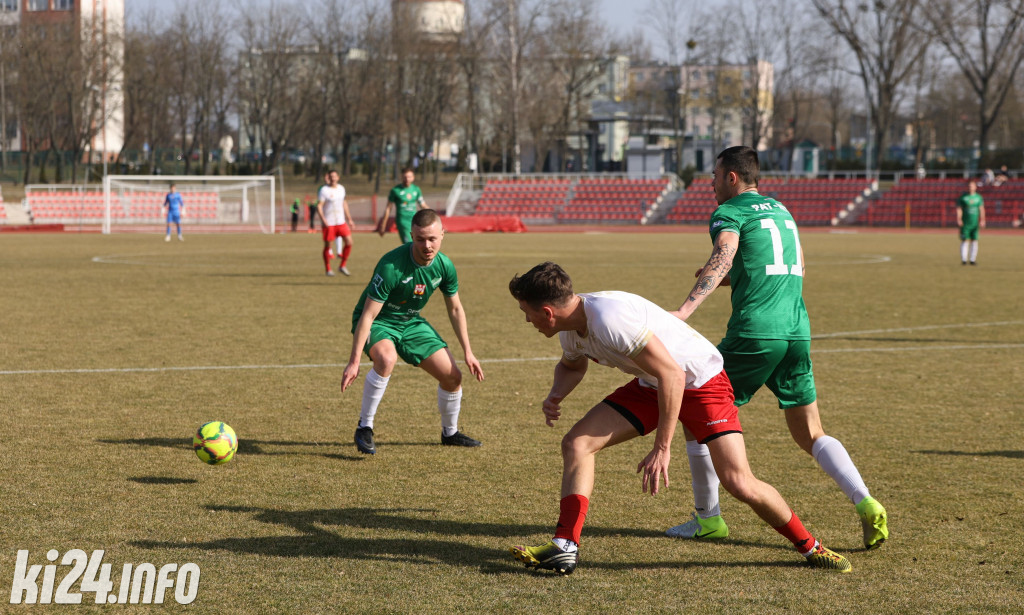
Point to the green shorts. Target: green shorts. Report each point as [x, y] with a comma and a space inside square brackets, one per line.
[404, 231]
[783, 365]
[415, 340]
[969, 232]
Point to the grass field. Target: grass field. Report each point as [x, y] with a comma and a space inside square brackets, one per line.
[116, 348]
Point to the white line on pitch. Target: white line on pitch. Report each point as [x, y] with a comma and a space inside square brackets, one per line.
[921, 328]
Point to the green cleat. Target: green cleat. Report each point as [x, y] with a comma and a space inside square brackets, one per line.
[712, 527]
[828, 560]
[872, 517]
[548, 557]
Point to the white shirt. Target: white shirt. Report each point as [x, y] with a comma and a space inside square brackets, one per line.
[620, 324]
[334, 204]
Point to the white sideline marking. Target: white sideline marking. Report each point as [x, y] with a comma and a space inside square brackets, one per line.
[963, 325]
[201, 368]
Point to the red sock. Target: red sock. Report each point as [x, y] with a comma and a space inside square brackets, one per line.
[572, 512]
[327, 258]
[797, 534]
[344, 255]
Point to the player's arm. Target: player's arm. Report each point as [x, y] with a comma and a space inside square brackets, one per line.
[568, 374]
[371, 309]
[715, 273]
[320, 211]
[959, 214]
[981, 216]
[656, 360]
[348, 215]
[382, 224]
[457, 316]
[421, 203]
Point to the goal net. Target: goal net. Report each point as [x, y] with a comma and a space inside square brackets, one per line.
[244, 201]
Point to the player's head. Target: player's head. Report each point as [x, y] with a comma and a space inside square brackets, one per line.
[972, 186]
[427, 233]
[171, 187]
[331, 177]
[737, 169]
[542, 293]
[408, 176]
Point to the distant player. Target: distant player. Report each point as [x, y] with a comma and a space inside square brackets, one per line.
[970, 215]
[406, 199]
[386, 325]
[332, 209]
[175, 209]
[678, 376]
[768, 339]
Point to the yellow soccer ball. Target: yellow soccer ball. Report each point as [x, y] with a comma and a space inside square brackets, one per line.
[215, 443]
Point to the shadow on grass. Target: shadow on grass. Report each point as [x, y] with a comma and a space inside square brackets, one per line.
[1007, 454]
[162, 480]
[246, 446]
[318, 540]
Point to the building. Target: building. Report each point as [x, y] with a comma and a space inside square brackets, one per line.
[440, 21]
[93, 23]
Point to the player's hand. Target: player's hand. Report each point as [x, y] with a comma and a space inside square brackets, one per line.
[654, 467]
[349, 375]
[552, 408]
[381, 227]
[474, 366]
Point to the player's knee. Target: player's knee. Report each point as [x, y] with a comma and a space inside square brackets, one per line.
[740, 485]
[575, 446]
[452, 380]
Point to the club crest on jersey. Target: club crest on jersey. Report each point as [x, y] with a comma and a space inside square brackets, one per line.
[420, 289]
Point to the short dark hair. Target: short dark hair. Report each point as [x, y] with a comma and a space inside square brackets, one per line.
[425, 217]
[408, 170]
[741, 160]
[547, 283]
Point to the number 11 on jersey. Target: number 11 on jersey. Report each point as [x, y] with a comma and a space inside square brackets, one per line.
[779, 267]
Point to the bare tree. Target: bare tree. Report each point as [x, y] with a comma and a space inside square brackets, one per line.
[679, 39]
[886, 42]
[986, 40]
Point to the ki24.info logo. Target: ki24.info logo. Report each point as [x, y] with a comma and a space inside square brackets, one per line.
[77, 573]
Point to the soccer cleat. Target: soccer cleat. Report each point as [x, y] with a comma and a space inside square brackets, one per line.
[330, 273]
[873, 519]
[547, 557]
[364, 440]
[167, 238]
[458, 439]
[343, 270]
[711, 527]
[180, 238]
[828, 560]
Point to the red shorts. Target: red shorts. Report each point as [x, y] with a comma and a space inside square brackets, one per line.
[708, 412]
[341, 230]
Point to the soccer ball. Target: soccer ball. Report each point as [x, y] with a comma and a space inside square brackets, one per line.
[215, 443]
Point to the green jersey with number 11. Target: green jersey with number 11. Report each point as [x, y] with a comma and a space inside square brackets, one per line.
[767, 271]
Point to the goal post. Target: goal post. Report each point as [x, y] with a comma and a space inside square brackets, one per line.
[209, 200]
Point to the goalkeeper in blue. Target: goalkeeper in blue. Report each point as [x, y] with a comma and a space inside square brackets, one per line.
[175, 207]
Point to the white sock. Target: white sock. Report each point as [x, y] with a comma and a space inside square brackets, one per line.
[833, 458]
[337, 246]
[705, 481]
[373, 392]
[963, 250]
[448, 404]
[566, 545]
[974, 251]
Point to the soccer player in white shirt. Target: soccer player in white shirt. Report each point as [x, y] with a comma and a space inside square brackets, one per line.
[678, 376]
[332, 209]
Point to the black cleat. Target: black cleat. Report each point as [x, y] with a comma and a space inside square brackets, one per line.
[458, 439]
[364, 440]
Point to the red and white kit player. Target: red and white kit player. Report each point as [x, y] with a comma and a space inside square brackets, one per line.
[332, 209]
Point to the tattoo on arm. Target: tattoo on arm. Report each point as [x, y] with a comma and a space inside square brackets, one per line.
[715, 270]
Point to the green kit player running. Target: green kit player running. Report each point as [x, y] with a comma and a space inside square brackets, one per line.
[970, 215]
[406, 199]
[386, 324]
[768, 339]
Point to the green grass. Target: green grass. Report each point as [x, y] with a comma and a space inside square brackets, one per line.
[930, 410]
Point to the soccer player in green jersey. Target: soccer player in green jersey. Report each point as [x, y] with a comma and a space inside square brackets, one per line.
[970, 215]
[768, 338]
[386, 324]
[406, 199]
